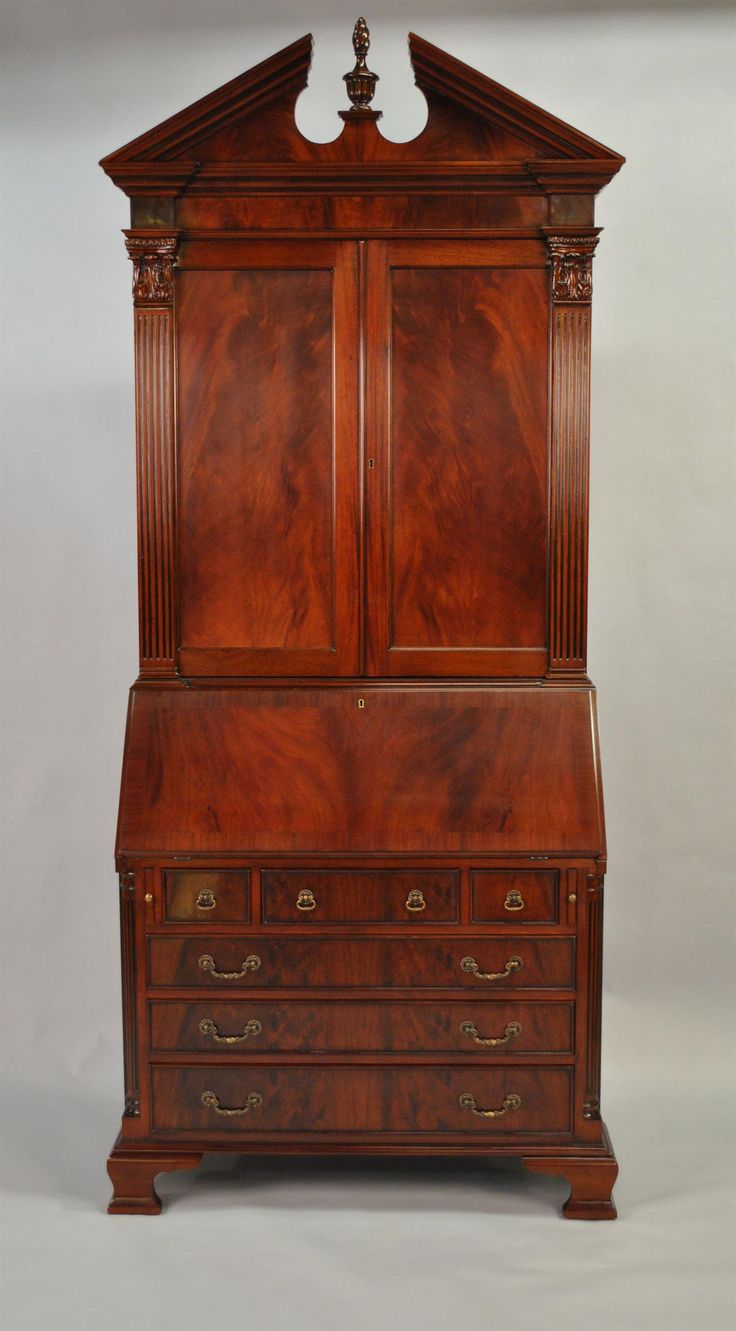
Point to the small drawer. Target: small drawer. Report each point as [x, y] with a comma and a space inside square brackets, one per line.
[279, 961]
[261, 1026]
[515, 895]
[353, 896]
[225, 1099]
[207, 894]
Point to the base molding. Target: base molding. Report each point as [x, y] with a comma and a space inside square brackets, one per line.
[591, 1171]
[591, 1180]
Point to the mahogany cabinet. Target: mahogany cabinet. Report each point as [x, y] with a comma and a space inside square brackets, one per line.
[361, 844]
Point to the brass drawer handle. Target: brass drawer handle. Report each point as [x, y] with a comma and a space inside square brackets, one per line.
[305, 900]
[251, 963]
[512, 1101]
[206, 899]
[415, 900]
[470, 966]
[208, 1027]
[210, 1101]
[470, 1029]
[514, 899]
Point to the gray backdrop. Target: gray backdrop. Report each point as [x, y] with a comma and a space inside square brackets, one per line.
[370, 1246]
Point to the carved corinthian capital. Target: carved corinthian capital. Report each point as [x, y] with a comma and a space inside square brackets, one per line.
[153, 266]
[572, 266]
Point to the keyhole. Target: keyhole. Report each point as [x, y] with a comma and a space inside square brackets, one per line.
[361, 703]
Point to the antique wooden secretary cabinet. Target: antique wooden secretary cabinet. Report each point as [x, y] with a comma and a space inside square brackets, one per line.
[361, 844]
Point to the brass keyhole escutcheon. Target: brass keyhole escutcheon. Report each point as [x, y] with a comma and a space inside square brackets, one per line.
[206, 899]
[514, 899]
[305, 900]
[361, 703]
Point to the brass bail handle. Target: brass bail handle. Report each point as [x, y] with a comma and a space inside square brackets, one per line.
[470, 1029]
[470, 967]
[415, 900]
[208, 1027]
[207, 963]
[512, 1101]
[206, 899]
[210, 1101]
[305, 900]
[514, 899]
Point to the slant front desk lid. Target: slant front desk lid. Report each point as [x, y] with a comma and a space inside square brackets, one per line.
[436, 771]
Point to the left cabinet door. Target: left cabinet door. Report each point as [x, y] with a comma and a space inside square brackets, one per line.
[268, 526]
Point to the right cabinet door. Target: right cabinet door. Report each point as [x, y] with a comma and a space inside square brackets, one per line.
[456, 441]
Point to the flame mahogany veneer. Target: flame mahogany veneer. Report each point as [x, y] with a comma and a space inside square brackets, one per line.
[361, 843]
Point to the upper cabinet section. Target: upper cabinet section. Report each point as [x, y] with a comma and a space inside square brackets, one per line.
[362, 382]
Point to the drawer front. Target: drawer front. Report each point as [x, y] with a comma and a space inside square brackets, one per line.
[224, 1099]
[515, 895]
[482, 964]
[291, 896]
[493, 1029]
[207, 894]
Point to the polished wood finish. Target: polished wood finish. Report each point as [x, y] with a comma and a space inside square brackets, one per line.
[291, 896]
[417, 1026]
[208, 895]
[515, 895]
[361, 842]
[591, 1181]
[268, 543]
[414, 770]
[356, 1100]
[289, 961]
[133, 1176]
[457, 502]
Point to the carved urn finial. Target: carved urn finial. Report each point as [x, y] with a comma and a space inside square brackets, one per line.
[360, 82]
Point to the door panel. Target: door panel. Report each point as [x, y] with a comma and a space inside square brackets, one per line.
[457, 427]
[268, 465]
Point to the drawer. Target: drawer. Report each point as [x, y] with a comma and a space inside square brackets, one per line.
[207, 894]
[482, 964]
[515, 895]
[224, 1099]
[496, 1029]
[291, 896]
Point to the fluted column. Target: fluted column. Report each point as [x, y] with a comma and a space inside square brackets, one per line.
[153, 254]
[571, 256]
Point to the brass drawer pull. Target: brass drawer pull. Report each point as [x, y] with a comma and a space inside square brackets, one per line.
[208, 1027]
[206, 899]
[470, 1029]
[210, 1101]
[251, 963]
[470, 966]
[514, 899]
[512, 1101]
[415, 900]
[305, 900]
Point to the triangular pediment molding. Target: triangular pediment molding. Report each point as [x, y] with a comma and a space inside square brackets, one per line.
[245, 131]
[438, 74]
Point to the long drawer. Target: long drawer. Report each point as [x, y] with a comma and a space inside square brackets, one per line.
[235, 1099]
[497, 1029]
[255, 962]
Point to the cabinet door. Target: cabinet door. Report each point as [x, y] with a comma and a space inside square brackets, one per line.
[456, 437]
[267, 458]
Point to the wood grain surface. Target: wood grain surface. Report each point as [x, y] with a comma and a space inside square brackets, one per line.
[210, 770]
